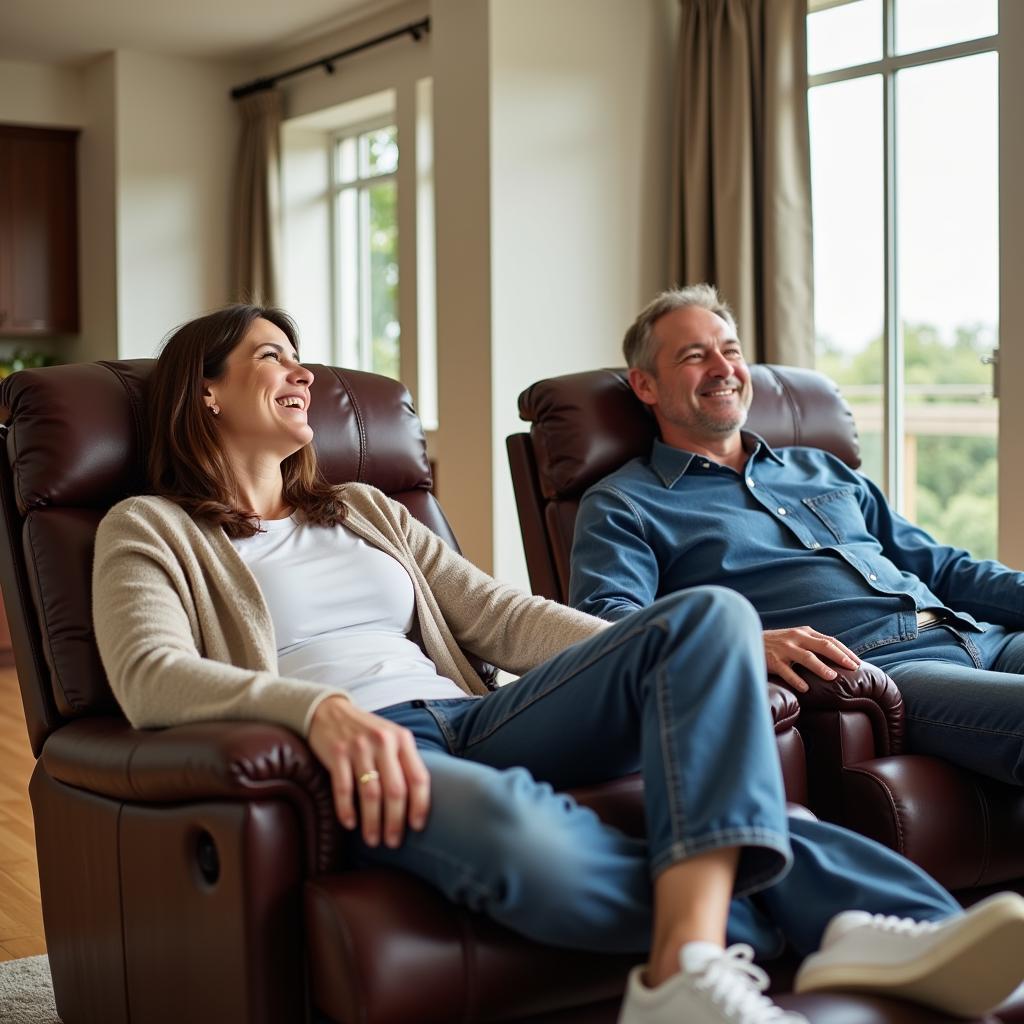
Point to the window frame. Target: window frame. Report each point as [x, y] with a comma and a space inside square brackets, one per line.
[360, 355]
[890, 63]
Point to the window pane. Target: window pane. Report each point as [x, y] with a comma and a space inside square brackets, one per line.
[923, 24]
[383, 243]
[844, 36]
[947, 224]
[848, 210]
[379, 152]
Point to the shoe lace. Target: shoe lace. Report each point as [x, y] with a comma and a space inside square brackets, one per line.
[735, 984]
[902, 925]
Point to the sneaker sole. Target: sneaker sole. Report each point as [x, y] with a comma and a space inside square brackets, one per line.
[974, 970]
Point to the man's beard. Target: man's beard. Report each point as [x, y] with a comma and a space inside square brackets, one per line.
[719, 424]
[726, 423]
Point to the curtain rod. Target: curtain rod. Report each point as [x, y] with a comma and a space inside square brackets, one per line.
[416, 29]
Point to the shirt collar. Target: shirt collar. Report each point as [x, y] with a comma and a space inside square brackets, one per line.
[672, 463]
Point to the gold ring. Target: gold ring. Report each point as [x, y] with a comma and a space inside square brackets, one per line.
[368, 776]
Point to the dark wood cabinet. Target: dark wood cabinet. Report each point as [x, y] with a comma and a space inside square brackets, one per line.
[38, 231]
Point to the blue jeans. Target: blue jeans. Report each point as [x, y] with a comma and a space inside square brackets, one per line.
[676, 690]
[964, 696]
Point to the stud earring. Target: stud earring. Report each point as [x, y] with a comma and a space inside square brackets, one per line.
[215, 409]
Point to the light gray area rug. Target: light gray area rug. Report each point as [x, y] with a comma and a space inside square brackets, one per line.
[26, 995]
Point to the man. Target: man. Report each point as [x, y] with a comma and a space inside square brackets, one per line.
[806, 540]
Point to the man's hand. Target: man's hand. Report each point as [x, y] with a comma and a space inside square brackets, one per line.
[802, 645]
[353, 744]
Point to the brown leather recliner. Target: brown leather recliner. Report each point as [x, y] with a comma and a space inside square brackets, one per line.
[197, 873]
[966, 830]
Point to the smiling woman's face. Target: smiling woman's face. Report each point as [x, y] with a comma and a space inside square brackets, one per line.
[262, 396]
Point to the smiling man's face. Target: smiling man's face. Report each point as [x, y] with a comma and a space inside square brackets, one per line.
[700, 391]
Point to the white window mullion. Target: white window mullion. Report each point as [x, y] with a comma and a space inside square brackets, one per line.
[365, 284]
[893, 331]
[337, 338]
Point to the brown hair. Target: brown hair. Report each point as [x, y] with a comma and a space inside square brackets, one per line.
[186, 462]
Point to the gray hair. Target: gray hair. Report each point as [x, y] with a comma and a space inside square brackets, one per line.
[639, 346]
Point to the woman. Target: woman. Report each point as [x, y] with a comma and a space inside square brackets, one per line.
[249, 588]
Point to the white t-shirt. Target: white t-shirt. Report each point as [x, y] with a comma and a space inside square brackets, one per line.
[341, 611]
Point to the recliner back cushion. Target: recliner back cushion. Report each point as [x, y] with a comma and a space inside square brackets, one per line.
[586, 425]
[77, 444]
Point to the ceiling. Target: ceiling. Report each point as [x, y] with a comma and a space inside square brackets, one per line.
[73, 31]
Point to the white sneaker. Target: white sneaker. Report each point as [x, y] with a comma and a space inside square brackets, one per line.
[725, 989]
[965, 965]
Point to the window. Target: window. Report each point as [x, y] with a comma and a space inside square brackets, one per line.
[903, 107]
[364, 216]
[358, 268]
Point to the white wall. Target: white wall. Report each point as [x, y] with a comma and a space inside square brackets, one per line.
[552, 162]
[40, 94]
[580, 150]
[460, 31]
[177, 133]
[97, 215]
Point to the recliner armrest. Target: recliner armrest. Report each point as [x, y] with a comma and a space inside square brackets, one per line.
[866, 689]
[201, 761]
[963, 828]
[227, 760]
[784, 705]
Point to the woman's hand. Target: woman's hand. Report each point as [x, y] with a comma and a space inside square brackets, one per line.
[368, 756]
[802, 645]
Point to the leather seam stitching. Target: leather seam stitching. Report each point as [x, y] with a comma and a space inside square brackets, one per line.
[133, 403]
[790, 401]
[360, 423]
[900, 841]
[986, 821]
[51, 661]
[120, 907]
[358, 1004]
[469, 997]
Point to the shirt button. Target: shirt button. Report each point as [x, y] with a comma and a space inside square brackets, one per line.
[872, 577]
[705, 465]
[782, 511]
[750, 481]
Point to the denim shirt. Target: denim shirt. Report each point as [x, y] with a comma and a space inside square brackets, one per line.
[807, 540]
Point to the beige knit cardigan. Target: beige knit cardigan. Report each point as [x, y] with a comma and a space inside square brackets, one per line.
[185, 634]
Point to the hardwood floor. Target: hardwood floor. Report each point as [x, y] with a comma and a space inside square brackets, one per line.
[21, 921]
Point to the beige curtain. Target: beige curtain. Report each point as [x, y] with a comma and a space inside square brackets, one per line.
[257, 200]
[742, 192]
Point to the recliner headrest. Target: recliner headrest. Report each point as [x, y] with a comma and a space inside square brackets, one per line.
[75, 428]
[586, 425]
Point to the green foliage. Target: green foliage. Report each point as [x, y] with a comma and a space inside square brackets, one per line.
[956, 475]
[926, 358]
[23, 359]
[384, 277]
